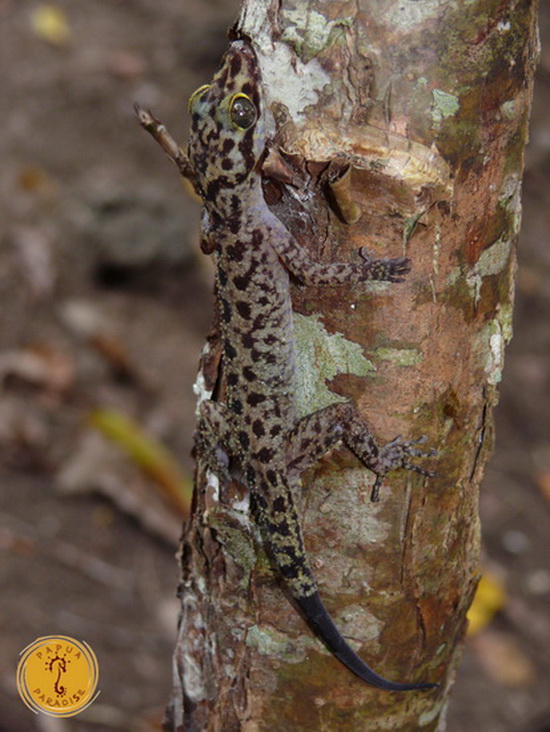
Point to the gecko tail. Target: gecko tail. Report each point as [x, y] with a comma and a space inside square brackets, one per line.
[285, 544]
[323, 626]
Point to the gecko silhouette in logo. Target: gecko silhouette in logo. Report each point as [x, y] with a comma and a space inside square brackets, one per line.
[58, 664]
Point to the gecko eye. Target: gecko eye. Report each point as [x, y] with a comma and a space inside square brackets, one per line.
[242, 111]
[196, 94]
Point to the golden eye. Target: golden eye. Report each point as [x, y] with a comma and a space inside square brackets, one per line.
[196, 94]
[242, 111]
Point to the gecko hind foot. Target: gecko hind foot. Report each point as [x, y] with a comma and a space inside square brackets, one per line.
[387, 270]
[395, 455]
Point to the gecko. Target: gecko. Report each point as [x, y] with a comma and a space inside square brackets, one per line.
[257, 425]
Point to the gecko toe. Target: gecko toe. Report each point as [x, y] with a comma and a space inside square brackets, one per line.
[418, 469]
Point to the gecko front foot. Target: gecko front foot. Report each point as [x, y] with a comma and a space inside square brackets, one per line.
[396, 454]
[388, 270]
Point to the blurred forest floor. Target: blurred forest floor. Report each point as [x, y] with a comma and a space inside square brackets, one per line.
[105, 304]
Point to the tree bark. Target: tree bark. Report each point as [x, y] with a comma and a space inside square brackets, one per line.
[421, 109]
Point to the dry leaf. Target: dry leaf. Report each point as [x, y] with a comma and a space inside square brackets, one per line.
[50, 23]
[97, 465]
[22, 424]
[542, 481]
[35, 246]
[29, 539]
[41, 366]
[37, 181]
[490, 597]
[127, 64]
[114, 352]
[503, 659]
[152, 457]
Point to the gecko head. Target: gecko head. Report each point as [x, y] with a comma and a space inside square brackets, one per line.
[226, 137]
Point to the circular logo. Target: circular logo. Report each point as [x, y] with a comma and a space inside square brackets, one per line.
[57, 675]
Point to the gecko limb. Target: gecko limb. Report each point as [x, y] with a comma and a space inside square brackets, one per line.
[385, 270]
[298, 261]
[317, 433]
[280, 526]
[279, 522]
[254, 434]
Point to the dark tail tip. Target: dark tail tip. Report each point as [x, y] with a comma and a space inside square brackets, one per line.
[323, 626]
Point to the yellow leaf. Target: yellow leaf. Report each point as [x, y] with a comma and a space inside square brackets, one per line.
[152, 457]
[490, 597]
[50, 23]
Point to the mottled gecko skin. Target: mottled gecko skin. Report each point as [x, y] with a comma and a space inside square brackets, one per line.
[257, 425]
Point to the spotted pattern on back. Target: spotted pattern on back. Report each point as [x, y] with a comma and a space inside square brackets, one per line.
[257, 424]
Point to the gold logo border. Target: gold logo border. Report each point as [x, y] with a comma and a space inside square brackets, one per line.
[93, 675]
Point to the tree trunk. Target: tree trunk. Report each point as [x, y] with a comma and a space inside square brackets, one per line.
[421, 109]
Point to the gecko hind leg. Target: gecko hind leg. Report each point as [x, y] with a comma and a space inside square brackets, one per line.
[317, 433]
[307, 442]
[213, 437]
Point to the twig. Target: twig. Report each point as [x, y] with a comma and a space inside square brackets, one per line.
[159, 132]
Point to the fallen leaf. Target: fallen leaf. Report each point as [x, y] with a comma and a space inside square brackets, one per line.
[39, 365]
[84, 319]
[29, 539]
[490, 597]
[152, 457]
[88, 322]
[99, 466]
[37, 181]
[23, 424]
[127, 64]
[114, 352]
[537, 581]
[503, 659]
[35, 246]
[50, 24]
[542, 481]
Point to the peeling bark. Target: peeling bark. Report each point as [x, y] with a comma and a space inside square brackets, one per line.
[421, 109]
